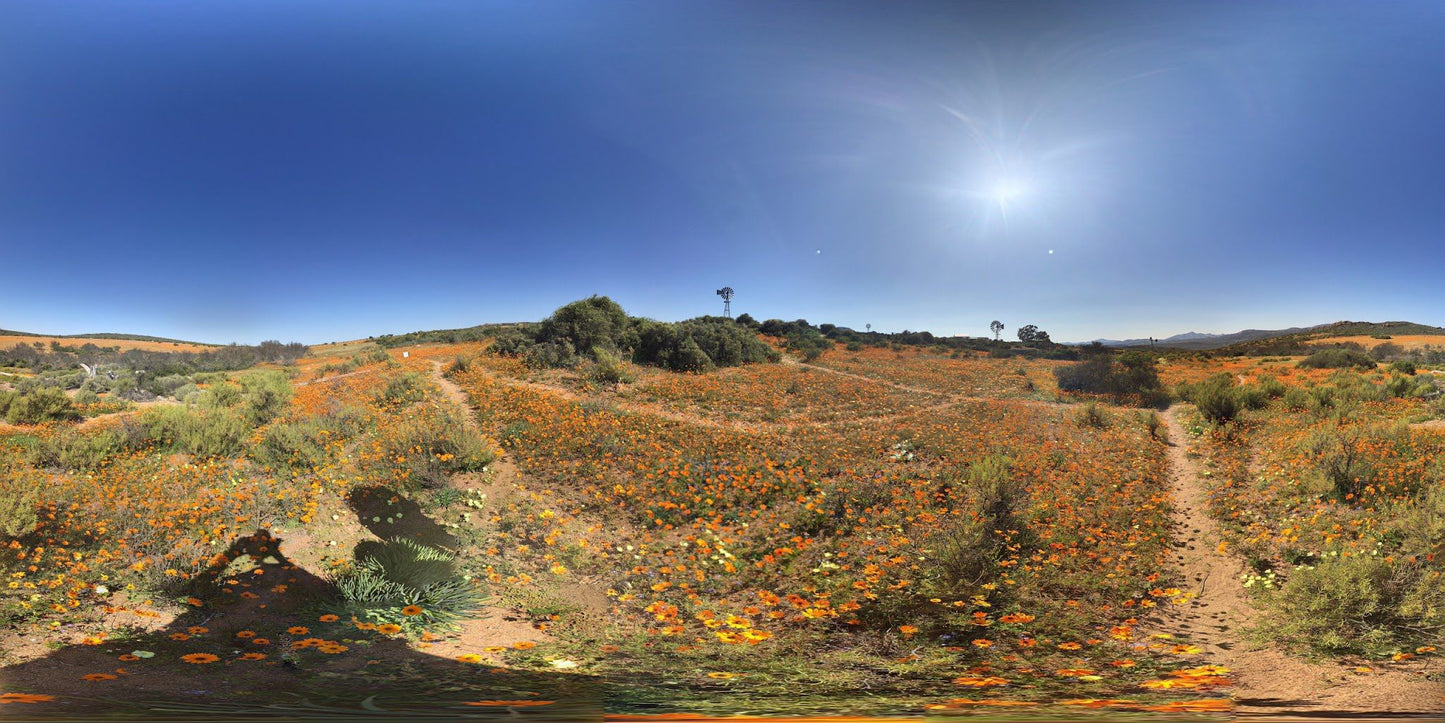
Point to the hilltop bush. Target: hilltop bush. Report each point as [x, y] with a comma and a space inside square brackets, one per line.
[596, 322]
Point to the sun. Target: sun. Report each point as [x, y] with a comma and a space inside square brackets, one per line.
[1006, 191]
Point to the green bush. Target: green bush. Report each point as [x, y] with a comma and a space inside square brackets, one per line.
[435, 445]
[46, 404]
[1132, 376]
[1338, 359]
[403, 390]
[221, 395]
[609, 369]
[1296, 399]
[78, 449]
[263, 396]
[202, 432]
[17, 508]
[1407, 368]
[186, 393]
[556, 354]
[689, 357]
[1216, 398]
[594, 322]
[291, 445]
[1359, 604]
[1093, 416]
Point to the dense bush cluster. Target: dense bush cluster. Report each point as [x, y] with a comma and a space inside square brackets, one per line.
[1131, 377]
[1341, 358]
[598, 330]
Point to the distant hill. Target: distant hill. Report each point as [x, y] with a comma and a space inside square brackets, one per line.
[1199, 341]
[136, 337]
[1252, 340]
[1300, 342]
[106, 335]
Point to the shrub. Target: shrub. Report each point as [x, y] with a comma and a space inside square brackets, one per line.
[1296, 399]
[1407, 368]
[186, 393]
[166, 386]
[1337, 359]
[551, 355]
[689, 357]
[1360, 604]
[725, 342]
[1093, 416]
[609, 369]
[17, 507]
[202, 432]
[594, 322]
[264, 396]
[294, 445]
[221, 395]
[76, 449]
[1133, 377]
[432, 446]
[1216, 398]
[46, 404]
[403, 390]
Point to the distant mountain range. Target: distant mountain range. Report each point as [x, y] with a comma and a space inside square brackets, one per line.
[1198, 340]
[1201, 341]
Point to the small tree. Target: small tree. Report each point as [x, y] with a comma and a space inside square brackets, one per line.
[997, 328]
[1030, 333]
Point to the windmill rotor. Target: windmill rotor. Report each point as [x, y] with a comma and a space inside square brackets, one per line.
[726, 293]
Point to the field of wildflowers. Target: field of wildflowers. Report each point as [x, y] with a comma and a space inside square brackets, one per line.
[877, 532]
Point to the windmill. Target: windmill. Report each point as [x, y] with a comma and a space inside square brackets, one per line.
[726, 293]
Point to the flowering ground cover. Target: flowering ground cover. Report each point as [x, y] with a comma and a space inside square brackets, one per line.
[906, 534]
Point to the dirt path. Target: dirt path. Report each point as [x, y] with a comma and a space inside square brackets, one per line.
[1268, 680]
[950, 397]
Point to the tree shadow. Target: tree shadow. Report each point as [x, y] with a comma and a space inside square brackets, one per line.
[247, 646]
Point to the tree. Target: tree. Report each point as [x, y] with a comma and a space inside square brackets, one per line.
[997, 327]
[1029, 333]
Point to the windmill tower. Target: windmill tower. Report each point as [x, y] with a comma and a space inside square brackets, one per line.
[726, 293]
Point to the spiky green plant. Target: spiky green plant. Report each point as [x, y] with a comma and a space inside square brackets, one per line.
[402, 573]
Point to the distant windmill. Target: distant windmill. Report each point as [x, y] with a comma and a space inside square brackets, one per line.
[726, 293]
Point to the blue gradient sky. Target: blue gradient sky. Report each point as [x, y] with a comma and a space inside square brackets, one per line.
[234, 171]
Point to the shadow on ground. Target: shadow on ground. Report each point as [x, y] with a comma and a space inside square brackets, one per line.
[249, 610]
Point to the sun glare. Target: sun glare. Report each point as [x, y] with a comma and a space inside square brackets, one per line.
[1006, 191]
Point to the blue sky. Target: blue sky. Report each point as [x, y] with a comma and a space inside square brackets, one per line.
[313, 171]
